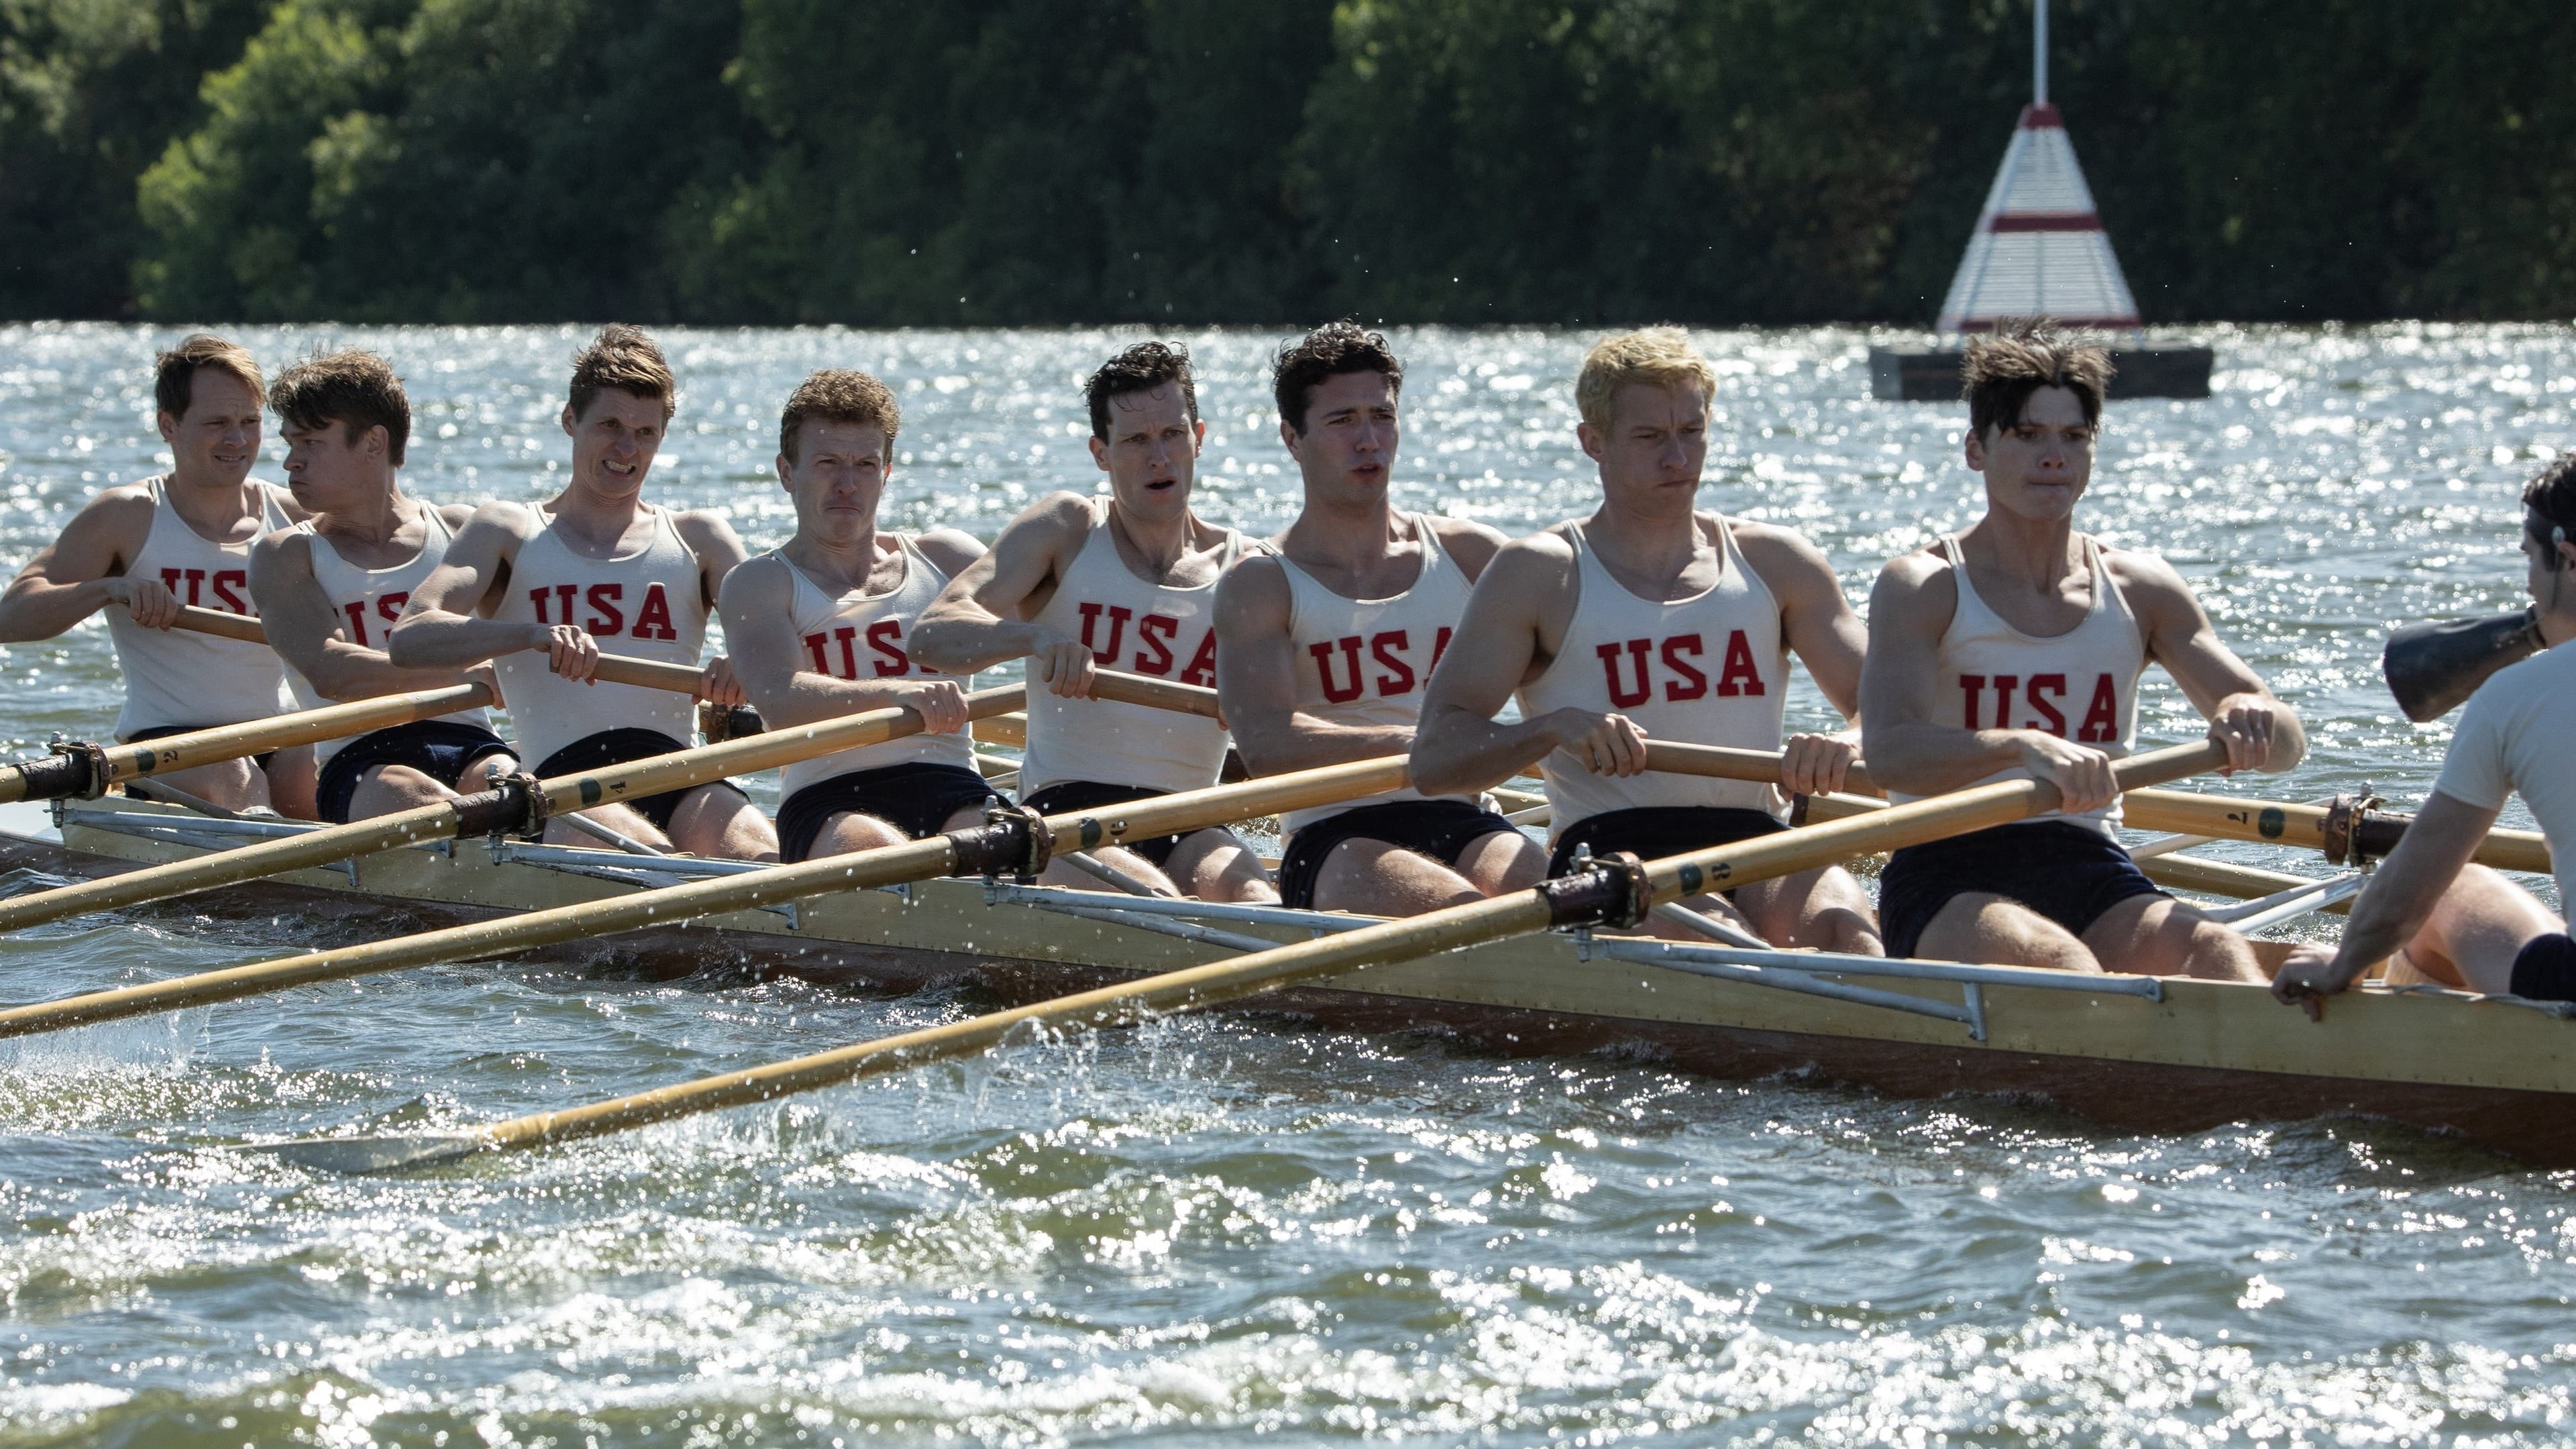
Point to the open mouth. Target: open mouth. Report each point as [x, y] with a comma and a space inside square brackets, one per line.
[1161, 485]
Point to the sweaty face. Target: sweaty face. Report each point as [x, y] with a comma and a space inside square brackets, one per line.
[2038, 466]
[1152, 451]
[1654, 448]
[329, 473]
[838, 474]
[614, 440]
[217, 439]
[1349, 444]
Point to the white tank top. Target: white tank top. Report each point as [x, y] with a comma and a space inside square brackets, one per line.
[1365, 661]
[861, 636]
[1152, 629]
[1711, 669]
[179, 676]
[368, 601]
[646, 605]
[2081, 685]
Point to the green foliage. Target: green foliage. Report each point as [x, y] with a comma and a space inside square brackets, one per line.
[1038, 161]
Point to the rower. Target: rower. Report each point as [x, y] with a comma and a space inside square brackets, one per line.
[1652, 620]
[536, 589]
[2012, 650]
[820, 624]
[1325, 642]
[182, 538]
[2460, 924]
[1124, 582]
[330, 588]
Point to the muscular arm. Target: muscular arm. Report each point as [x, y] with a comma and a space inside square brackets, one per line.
[79, 572]
[1815, 618]
[1256, 681]
[2261, 732]
[2399, 899]
[980, 619]
[718, 547]
[443, 626]
[1470, 545]
[755, 609]
[1500, 645]
[304, 629]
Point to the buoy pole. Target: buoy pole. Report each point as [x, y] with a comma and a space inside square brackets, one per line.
[2039, 52]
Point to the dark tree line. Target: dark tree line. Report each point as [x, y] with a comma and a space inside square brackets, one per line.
[1051, 161]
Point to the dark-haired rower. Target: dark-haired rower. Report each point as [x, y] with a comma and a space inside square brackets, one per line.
[2460, 924]
[1324, 647]
[1128, 581]
[2013, 649]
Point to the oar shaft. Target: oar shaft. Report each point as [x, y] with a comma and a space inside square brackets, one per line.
[251, 737]
[474, 814]
[917, 860]
[2236, 818]
[1519, 913]
[1723, 762]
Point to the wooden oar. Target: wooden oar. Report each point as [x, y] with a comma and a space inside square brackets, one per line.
[508, 808]
[1011, 844]
[1608, 894]
[2225, 816]
[613, 668]
[81, 770]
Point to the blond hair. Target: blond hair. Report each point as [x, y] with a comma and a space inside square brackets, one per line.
[174, 373]
[1658, 356]
[839, 395]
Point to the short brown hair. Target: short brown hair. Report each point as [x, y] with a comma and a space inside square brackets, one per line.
[2001, 371]
[626, 359]
[1328, 351]
[357, 390]
[839, 395]
[1657, 356]
[1141, 368]
[174, 373]
[2551, 497]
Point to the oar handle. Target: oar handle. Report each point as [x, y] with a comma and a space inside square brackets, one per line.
[613, 668]
[1154, 693]
[216, 621]
[1723, 762]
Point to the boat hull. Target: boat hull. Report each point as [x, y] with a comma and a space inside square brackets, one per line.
[2497, 1074]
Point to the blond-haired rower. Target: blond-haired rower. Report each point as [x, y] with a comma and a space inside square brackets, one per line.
[821, 627]
[182, 538]
[1654, 619]
[538, 589]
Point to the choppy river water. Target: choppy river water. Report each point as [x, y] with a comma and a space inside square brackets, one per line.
[1223, 1229]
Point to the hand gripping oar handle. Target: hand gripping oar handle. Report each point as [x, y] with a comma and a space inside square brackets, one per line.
[2433, 668]
[511, 807]
[1614, 891]
[1010, 844]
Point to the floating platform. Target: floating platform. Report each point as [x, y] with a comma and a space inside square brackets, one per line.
[1932, 375]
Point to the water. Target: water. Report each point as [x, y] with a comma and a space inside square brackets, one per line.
[1216, 1230]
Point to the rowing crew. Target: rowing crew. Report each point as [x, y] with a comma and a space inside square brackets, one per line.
[2011, 649]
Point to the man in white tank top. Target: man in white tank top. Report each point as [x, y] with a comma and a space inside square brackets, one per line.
[2014, 651]
[329, 589]
[1651, 619]
[821, 627]
[183, 538]
[1325, 644]
[1127, 582]
[540, 590]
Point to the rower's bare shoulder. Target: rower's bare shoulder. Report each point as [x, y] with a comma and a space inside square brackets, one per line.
[1545, 556]
[703, 529]
[1472, 544]
[756, 589]
[952, 549]
[1254, 589]
[1922, 572]
[1777, 552]
[2152, 586]
[454, 515]
[283, 548]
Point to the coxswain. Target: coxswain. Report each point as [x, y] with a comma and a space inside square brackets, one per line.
[1326, 639]
[2013, 650]
[181, 539]
[821, 627]
[540, 589]
[2440, 917]
[1124, 581]
[330, 588]
[1654, 620]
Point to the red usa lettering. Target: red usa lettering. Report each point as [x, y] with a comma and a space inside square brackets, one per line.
[606, 616]
[1629, 673]
[2039, 695]
[1389, 671]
